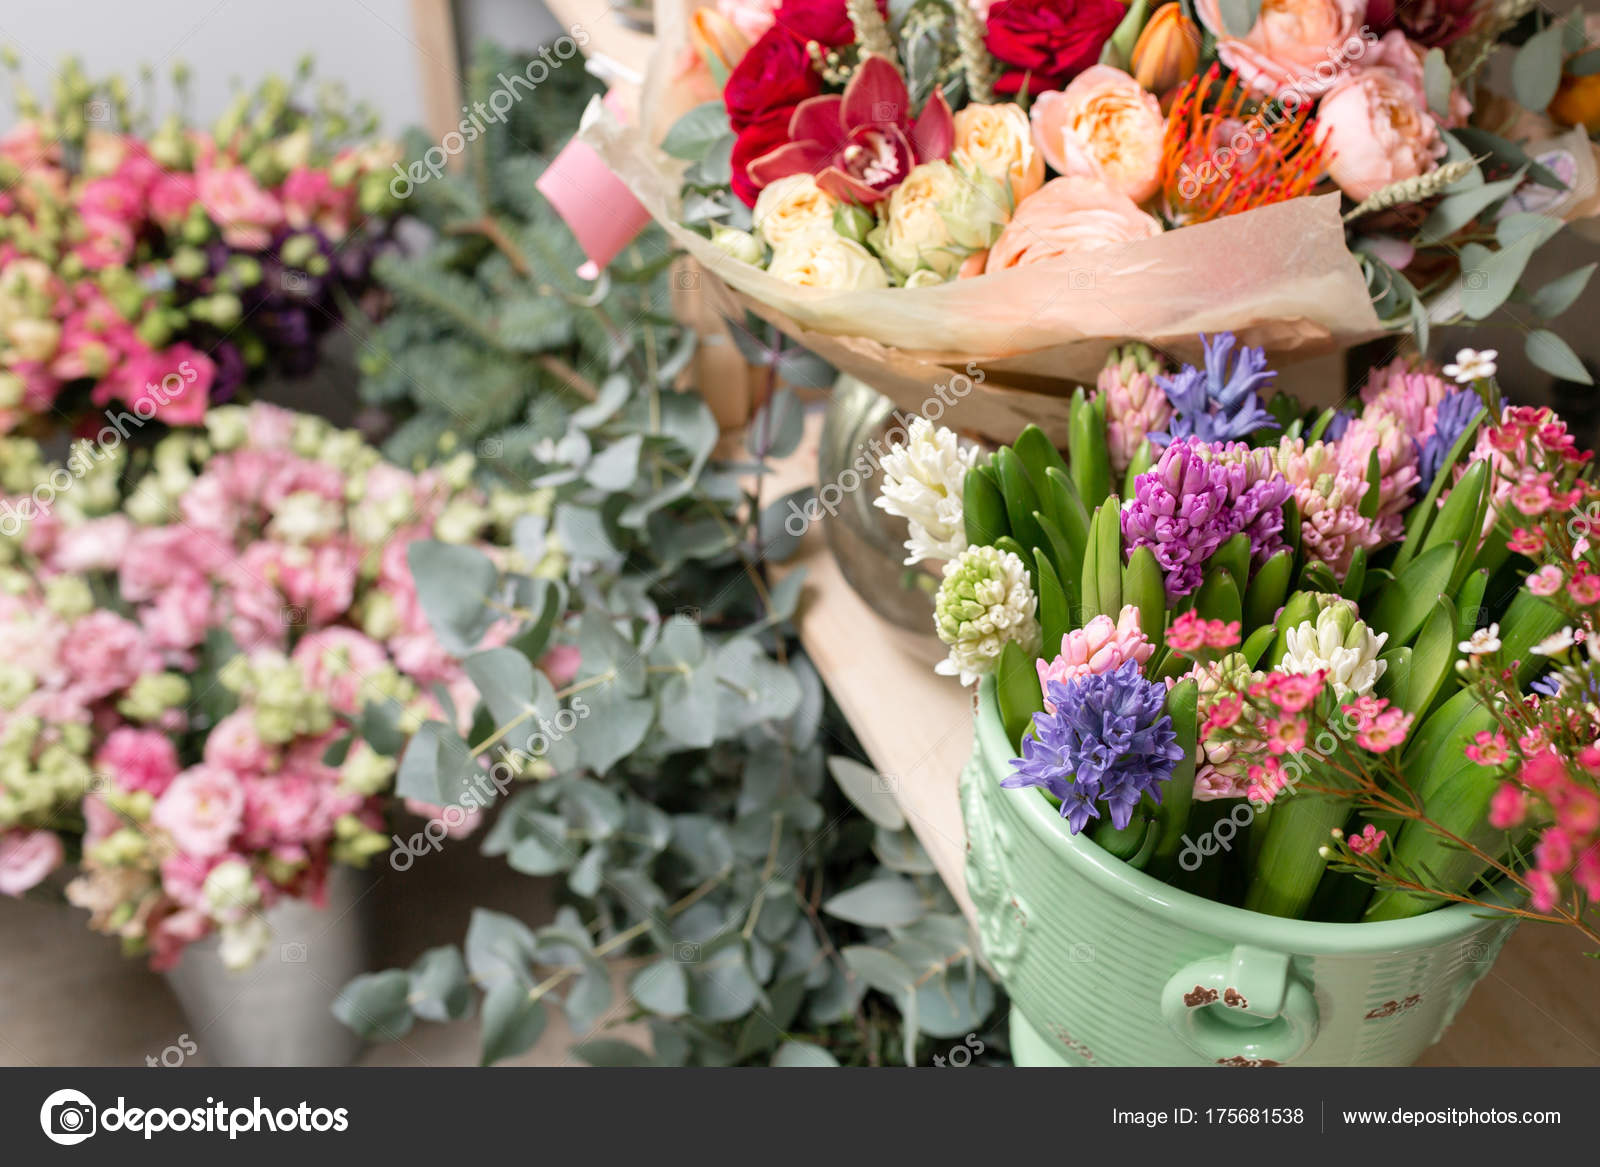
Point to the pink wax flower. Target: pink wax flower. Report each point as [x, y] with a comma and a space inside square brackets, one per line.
[26, 857]
[1098, 647]
[201, 810]
[139, 759]
[246, 214]
[1368, 841]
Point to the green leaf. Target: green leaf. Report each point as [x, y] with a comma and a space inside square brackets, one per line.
[1437, 83]
[1144, 586]
[869, 791]
[983, 508]
[1420, 523]
[1089, 458]
[1102, 563]
[1562, 292]
[1401, 609]
[1066, 559]
[1585, 64]
[1020, 499]
[1267, 590]
[1177, 795]
[376, 1005]
[890, 902]
[1536, 70]
[1432, 658]
[439, 989]
[454, 585]
[1067, 510]
[1055, 617]
[1234, 558]
[692, 135]
[1372, 497]
[1017, 691]
[1461, 207]
[1239, 16]
[1038, 456]
[1118, 51]
[1552, 354]
[776, 429]
[797, 1054]
[879, 969]
[609, 1053]
[1489, 277]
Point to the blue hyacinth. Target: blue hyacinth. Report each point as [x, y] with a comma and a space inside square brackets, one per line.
[1455, 414]
[1109, 741]
[1220, 403]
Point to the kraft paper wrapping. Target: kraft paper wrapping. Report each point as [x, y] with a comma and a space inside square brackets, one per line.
[1010, 347]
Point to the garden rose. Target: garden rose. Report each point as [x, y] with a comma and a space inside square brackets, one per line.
[1300, 45]
[1045, 43]
[1376, 132]
[1069, 216]
[753, 142]
[792, 207]
[247, 214]
[1103, 125]
[997, 141]
[139, 759]
[827, 261]
[201, 810]
[770, 80]
[26, 857]
[825, 21]
[935, 219]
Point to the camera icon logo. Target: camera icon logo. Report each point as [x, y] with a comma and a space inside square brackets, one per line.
[97, 112]
[293, 281]
[293, 615]
[1081, 953]
[885, 111]
[686, 952]
[293, 952]
[1080, 279]
[686, 281]
[491, 448]
[68, 1117]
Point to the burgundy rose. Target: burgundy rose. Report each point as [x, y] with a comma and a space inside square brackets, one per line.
[754, 141]
[824, 21]
[770, 80]
[861, 144]
[1433, 23]
[1047, 43]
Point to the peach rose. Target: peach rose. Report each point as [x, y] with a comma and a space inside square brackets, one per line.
[1376, 132]
[1066, 217]
[1303, 45]
[997, 141]
[1404, 59]
[1103, 125]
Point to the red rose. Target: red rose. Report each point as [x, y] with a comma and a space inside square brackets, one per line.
[1049, 42]
[755, 140]
[772, 78]
[824, 21]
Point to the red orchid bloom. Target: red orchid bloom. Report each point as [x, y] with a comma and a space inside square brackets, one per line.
[861, 144]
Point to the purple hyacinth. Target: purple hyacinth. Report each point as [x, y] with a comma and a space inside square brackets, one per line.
[1197, 497]
[1109, 741]
[1454, 415]
[1221, 402]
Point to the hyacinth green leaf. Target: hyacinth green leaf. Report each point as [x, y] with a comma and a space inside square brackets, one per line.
[1267, 590]
[1256, 644]
[1461, 519]
[1064, 557]
[1469, 603]
[1144, 586]
[1020, 499]
[1218, 598]
[1068, 510]
[1433, 658]
[1127, 843]
[1356, 577]
[1371, 498]
[1301, 607]
[1102, 565]
[1324, 420]
[1401, 609]
[1017, 691]
[1143, 458]
[1528, 621]
[1054, 614]
[1395, 684]
[1421, 521]
[1291, 525]
[1318, 576]
[1038, 455]
[1087, 453]
[983, 508]
[1007, 543]
[1176, 796]
[1232, 557]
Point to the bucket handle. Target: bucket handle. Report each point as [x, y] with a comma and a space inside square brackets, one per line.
[1246, 1008]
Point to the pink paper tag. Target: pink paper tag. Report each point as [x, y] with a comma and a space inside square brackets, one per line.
[595, 204]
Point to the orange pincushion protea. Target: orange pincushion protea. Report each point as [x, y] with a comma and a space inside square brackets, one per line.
[1227, 152]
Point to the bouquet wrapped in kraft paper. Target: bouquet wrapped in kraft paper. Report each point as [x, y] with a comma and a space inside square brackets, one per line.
[997, 195]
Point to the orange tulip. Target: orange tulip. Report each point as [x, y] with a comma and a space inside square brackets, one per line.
[1167, 52]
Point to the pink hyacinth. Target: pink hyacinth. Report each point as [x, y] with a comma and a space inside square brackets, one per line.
[1329, 498]
[1410, 392]
[1387, 434]
[1098, 647]
[1135, 405]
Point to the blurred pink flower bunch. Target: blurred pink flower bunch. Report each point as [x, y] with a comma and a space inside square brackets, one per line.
[193, 668]
[132, 264]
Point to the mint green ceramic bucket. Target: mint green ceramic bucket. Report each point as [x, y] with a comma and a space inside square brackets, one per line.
[1106, 965]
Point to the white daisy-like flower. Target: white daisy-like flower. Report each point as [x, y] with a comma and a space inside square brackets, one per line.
[984, 604]
[1556, 643]
[1483, 642]
[1472, 365]
[1345, 648]
[922, 483]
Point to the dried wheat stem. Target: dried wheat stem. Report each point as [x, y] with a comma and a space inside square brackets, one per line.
[872, 31]
[1414, 190]
[976, 62]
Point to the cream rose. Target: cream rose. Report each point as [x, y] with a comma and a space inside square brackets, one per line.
[827, 261]
[1376, 132]
[1300, 45]
[1069, 216]
[936, 218]
[1103, 125]
[997, 141]
[792, 207]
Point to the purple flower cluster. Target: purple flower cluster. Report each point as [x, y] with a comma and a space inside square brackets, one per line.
[1455, 413]
[1197, 497]
[1108, 741]
[1220, 403]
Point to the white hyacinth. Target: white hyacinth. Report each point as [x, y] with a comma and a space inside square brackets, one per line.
[1472, 365]
[922, 483]
[984, 604]
[1347, 650]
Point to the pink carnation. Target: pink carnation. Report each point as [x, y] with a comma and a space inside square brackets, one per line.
[246, 214]
[139, 759]
[1098, 647]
